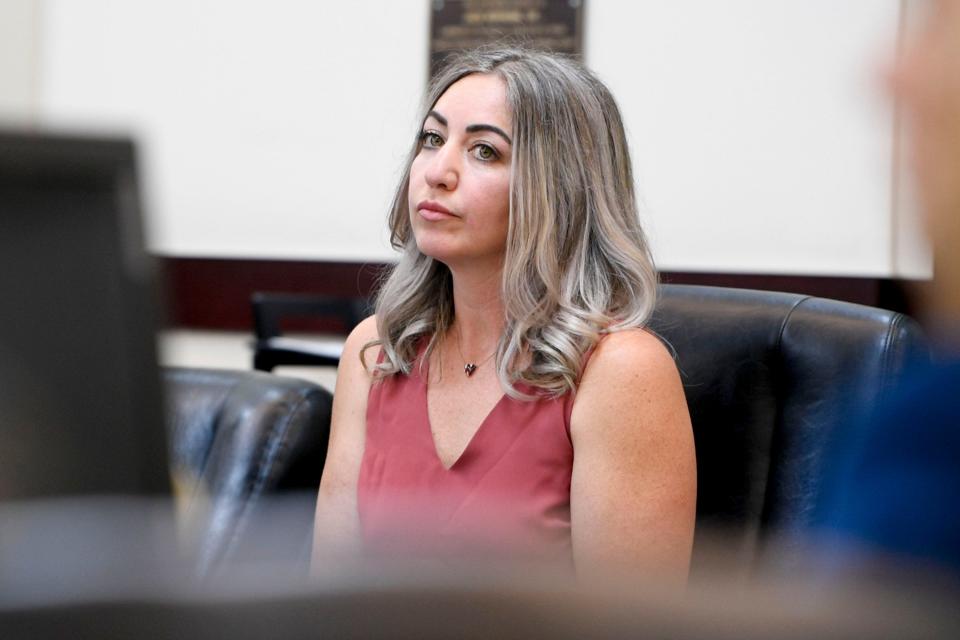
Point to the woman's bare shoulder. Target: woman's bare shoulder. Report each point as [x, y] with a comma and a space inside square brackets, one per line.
[631, 351]
[365, 331]
[630, 370]
[353, 383]
[354, 353]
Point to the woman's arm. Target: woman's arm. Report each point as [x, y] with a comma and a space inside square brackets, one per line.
[634, 488]
[336, 535]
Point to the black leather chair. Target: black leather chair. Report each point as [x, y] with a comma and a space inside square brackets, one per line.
[768, 377]
[237, 439]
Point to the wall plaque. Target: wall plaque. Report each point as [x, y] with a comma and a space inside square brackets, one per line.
[553, 25]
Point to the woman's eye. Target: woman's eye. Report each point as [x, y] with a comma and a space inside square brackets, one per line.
[431, 139]
[484, 152]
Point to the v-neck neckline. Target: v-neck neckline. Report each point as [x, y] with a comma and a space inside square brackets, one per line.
[424, 374]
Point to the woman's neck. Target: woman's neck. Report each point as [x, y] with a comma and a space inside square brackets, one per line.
[478, 312]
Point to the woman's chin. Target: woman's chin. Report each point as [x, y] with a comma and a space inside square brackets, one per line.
[457, 255]
[437, 244]
[439, 251]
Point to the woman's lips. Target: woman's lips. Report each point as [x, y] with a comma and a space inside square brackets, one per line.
[433, 211]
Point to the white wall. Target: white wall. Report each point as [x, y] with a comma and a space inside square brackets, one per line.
[270, 129]
[760, 138]
[19, 23]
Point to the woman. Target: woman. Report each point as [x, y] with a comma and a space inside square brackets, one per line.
[505, 395]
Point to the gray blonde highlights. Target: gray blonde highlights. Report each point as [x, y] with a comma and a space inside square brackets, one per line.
[577, 261]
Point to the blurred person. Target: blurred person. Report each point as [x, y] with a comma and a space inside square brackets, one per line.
[894, 484]
[926, 81]
[505, 398]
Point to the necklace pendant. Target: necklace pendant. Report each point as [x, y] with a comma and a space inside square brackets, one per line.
[469, 368]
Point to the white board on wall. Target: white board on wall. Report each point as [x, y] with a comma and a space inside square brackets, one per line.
[759, 135]
[761, 138]
[268, 129]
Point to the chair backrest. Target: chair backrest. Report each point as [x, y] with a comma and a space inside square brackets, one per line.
[237, 439]
[270, 310]
[768, 376]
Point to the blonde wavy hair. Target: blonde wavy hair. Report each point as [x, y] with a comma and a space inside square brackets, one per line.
[577, 261]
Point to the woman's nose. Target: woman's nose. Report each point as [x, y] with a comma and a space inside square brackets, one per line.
[442, 171]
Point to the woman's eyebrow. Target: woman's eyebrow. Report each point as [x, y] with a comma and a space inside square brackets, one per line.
[436, 116]
[473, 128]
[489, 127]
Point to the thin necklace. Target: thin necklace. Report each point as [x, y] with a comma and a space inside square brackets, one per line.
[469, 367]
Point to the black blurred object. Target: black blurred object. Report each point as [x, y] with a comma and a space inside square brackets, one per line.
[242, 440]
[768, 377]
[80, 405]
[272, 349]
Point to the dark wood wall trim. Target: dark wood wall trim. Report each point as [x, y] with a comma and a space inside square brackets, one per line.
[886, 293]
[206, 293]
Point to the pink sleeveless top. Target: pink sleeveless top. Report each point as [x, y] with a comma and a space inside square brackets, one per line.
[507, 494]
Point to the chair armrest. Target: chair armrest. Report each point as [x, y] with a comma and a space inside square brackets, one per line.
[238, 438]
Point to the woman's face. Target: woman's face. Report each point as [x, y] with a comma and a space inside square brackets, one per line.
[459, 195]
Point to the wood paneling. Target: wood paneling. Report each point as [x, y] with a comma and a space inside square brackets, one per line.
[207, 293]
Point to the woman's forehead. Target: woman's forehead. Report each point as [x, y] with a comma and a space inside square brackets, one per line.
[473, 99]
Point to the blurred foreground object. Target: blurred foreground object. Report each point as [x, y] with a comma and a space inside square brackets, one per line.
[893, 484]
[81, 415]
[80, 407]
[894, 488]
[925, 82]
[64, 594]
